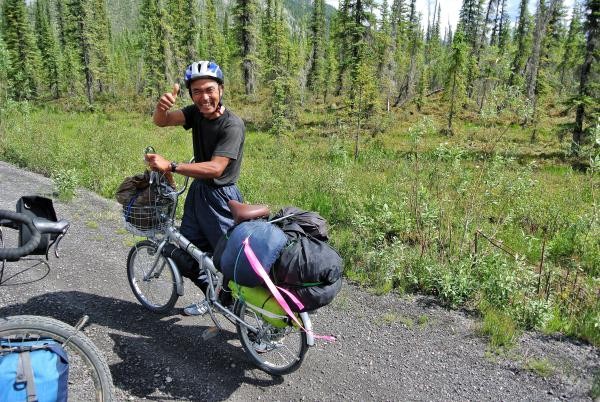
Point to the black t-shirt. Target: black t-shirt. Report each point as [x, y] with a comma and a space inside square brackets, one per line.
[223, 136]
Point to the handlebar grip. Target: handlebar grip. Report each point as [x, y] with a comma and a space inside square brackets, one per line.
[15, 253]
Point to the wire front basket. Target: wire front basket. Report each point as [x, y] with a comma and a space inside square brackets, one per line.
[148, 220]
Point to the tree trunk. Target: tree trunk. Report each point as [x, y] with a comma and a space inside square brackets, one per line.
[517, 64]
[451, 114]
[586, 68]
[87, 68]
[542, 19]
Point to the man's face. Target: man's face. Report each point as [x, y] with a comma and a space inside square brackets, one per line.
[206, 94]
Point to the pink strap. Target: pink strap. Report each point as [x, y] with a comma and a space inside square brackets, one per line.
[260, 271]
[291, 296]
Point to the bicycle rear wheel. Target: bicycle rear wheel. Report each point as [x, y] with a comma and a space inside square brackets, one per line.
[274, 350]
[89, 375]
[156, 290]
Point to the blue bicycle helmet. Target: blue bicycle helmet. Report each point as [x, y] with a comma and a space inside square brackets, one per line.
[203, 69]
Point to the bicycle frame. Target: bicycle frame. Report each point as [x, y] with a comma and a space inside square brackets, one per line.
[174, 236]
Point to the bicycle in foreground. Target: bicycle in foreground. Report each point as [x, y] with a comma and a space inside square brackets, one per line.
[275, 343]
[89, 377]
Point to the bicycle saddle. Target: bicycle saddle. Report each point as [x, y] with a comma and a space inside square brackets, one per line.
[245, 212]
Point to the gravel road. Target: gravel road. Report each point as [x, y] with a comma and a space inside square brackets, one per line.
[388, 348]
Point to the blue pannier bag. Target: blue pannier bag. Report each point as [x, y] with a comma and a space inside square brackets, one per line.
[266, 240]
[33, 371]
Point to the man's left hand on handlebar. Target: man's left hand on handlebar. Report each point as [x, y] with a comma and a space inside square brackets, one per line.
[158, 163]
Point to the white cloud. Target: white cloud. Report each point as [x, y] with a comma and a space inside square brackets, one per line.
[449, 11]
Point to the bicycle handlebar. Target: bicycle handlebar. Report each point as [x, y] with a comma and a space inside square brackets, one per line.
[15, 253]
[163, 188]
[37, 226]
[155, 177]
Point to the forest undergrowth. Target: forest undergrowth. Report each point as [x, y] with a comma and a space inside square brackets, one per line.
[490, 219]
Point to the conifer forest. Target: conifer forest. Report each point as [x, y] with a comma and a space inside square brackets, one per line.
[460, 161]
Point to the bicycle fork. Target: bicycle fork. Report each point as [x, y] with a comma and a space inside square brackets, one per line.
[157, 268]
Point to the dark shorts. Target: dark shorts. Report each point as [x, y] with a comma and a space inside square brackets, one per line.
[206, 216]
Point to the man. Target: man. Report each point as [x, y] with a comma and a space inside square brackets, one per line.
[218, 141]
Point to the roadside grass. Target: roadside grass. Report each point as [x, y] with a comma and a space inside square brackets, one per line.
[500, 329]
[483, 218]
[595, 391]
[92, 225]
[541, 367]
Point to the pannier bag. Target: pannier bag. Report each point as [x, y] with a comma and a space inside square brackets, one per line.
[314, 297]
[36, 206]
[267, 242]
[261, 301]
[307, 262]
[311, 270]
[33, 371]
[308, 266]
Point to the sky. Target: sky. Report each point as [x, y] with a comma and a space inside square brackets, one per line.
[451, 8]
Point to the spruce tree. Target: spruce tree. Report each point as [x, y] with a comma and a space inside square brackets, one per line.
[455, 85]
[469, 20]
[415, 43]
[212, 37]
[68, 64]
[341, 28]
[385, 55]
[5, 82]
[175, 17]
[523, 40]
[101, 38]
[315, 73]
[155, 43]
[573, 50]
[329, 70]
[284, 84]
[80, 39]
[268, 47]
[503, 30]
[543, 15]
[23, 54]
[48, 47]
[60, 23]
[189, 39]
[435, 55]
[588, 107]
[247, 27]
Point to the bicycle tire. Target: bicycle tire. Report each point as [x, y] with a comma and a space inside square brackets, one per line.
[158, 293]
[83, 355]
[265, 349]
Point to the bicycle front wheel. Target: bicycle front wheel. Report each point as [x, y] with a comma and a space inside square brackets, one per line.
[151, 277]
[89, 375]
[276, 351]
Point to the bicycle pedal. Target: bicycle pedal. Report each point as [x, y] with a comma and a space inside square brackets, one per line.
[210, 332]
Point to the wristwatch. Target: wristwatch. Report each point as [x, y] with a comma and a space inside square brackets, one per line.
[174, 167]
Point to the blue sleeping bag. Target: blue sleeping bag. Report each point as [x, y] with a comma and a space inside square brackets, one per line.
[266, 240]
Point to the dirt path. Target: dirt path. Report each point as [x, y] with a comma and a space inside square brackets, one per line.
[388, 348]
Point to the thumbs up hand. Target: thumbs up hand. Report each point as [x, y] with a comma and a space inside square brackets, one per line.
[168, 99]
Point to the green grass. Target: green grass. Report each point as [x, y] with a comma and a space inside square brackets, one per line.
[541, 367]
[499, 328]
[595, 391]
[403, 214]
